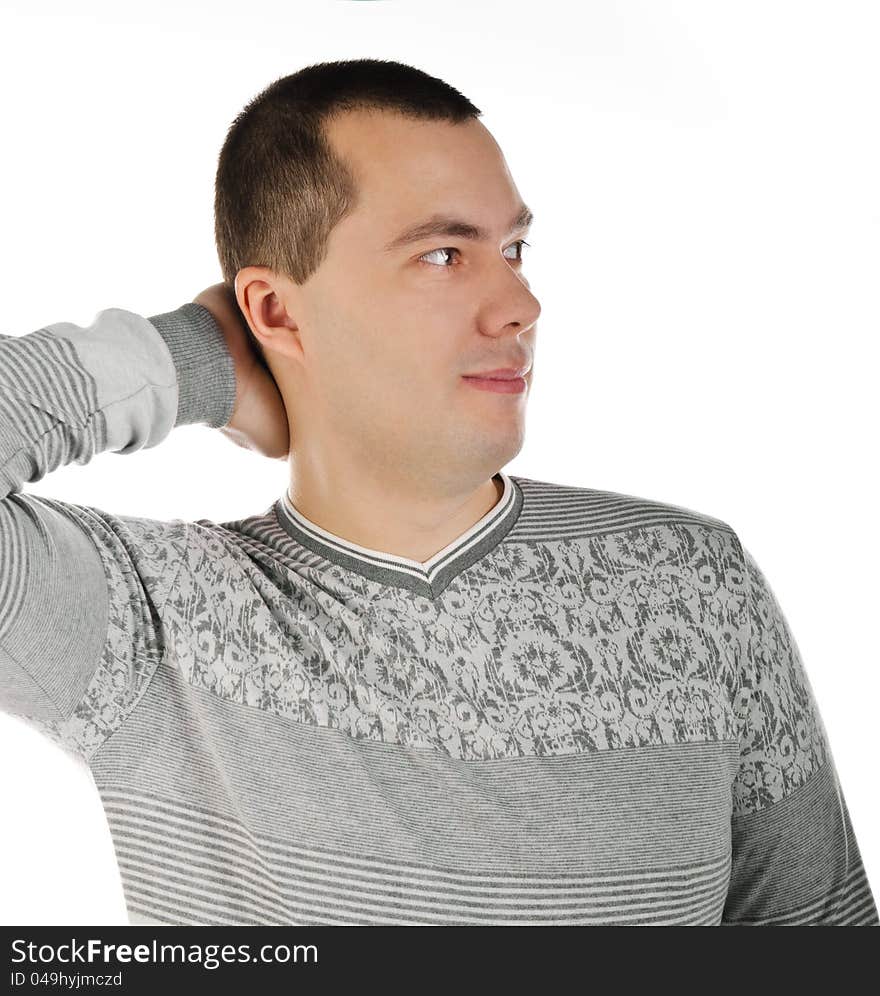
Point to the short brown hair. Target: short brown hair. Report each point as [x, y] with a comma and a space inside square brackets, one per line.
[280, 189]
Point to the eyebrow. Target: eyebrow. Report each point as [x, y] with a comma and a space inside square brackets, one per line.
[445, 225]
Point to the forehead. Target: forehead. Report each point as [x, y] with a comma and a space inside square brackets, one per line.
[407, 168]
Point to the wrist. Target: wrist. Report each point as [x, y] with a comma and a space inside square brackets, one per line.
[203, 363]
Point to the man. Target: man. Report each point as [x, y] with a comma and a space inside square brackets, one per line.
[414, 689]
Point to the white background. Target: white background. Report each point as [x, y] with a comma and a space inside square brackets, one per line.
[705, 249]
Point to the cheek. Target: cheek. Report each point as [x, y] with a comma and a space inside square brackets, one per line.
[394, 350]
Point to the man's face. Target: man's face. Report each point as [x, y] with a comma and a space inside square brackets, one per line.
[388, 333]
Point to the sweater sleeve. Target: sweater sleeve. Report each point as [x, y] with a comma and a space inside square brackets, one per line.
[81, 588]
[795, 859]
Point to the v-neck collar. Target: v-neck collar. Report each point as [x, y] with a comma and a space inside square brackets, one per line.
[427, 578]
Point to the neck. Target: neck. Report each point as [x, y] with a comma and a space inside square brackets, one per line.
[400, 517]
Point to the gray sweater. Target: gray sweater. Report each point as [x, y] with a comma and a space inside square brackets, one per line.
[587, 709]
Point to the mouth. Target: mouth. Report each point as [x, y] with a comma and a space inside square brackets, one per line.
[508, 383]
[505, 373]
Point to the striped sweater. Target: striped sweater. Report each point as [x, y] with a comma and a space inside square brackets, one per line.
[586, 709]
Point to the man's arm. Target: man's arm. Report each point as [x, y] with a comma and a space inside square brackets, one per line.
[78, 586]
[795, 857]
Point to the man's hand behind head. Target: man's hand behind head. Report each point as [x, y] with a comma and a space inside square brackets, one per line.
[259, 418]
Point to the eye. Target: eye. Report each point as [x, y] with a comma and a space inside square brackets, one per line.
[451, 249]
[521, 243]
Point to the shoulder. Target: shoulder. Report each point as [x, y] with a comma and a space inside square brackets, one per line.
[138, 554]
[569, 506]
[223, 564]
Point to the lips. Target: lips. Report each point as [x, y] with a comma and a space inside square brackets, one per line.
[503, 373]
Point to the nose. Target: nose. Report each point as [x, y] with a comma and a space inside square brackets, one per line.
[518, 307]
[535, 307]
